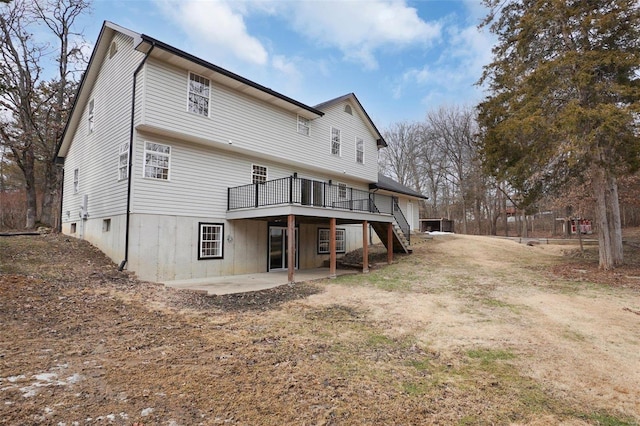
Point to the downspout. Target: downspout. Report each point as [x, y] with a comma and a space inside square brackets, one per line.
[123, 264]
[60, 162]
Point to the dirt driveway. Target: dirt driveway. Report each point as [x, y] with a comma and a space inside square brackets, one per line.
[467, 330]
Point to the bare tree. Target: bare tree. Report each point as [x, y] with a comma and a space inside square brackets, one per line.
[34, 110]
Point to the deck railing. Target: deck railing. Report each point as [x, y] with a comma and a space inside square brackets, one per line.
[307, 192]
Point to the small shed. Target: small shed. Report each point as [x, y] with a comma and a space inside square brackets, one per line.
[436, 225]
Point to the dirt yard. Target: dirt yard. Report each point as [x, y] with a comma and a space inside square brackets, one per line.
[467, 330]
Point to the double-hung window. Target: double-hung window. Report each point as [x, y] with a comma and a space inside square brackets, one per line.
[199, 92]
[210, 241]
[123, 161]
[335, 141]
[303, 126]
[359, 151]
[324, 235]
[91, 115]
[76, 181]
[156, 160]
[258, 174]
[342, 190]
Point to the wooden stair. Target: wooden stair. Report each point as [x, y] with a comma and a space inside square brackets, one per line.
[400, 241]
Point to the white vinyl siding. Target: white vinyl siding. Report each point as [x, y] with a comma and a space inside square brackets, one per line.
[270, 130]
[94, 154]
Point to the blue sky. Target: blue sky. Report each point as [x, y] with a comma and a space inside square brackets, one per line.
[401, 58]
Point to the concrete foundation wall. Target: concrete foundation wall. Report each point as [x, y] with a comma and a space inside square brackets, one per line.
[109, 239]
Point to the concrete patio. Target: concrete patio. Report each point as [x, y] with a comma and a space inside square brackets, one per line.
[252, 282]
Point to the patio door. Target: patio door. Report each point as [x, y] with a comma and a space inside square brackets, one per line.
[279, 248]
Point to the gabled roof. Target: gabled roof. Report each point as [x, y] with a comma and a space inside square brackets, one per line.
[388, 184]
[352, 97]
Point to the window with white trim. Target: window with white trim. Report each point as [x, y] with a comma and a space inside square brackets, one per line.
[123, 161]
[199, 92]
[76, 181]
[258, 174]
[324, 236]
[91, 115]
[303, 126]
[156, 160]
[210, 240]
[342, 190]
[359, 150]
[335, 141]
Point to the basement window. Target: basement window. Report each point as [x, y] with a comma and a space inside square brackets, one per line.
[73, 228]
[323, 240]
[106, 225]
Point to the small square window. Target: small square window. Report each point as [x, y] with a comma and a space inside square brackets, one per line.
[106, 225]
[258, 174]
[73, 228]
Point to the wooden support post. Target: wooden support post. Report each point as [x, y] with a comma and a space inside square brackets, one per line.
[291, 252]
[365, 247]
[390, 244]
[332, 247]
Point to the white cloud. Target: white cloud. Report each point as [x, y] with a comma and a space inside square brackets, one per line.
[360, 28]
[453, 75]
[219, 25]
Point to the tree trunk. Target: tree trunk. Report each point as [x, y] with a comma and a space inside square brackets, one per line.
[49, 210]
[607, 208]
[28, 169]
[615, 224]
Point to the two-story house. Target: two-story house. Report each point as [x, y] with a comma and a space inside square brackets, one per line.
[179, 169]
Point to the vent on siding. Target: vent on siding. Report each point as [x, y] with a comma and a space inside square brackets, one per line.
[347, 109]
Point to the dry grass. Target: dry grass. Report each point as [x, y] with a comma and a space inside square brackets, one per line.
[467, 330]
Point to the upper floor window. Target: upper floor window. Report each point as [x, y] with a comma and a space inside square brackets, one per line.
[123, 161]
[198, 94]
[303, 126]
[359, 150]
[91, 115]
[335, 141]
[258, 174]
[156, 160]
[76, 181]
